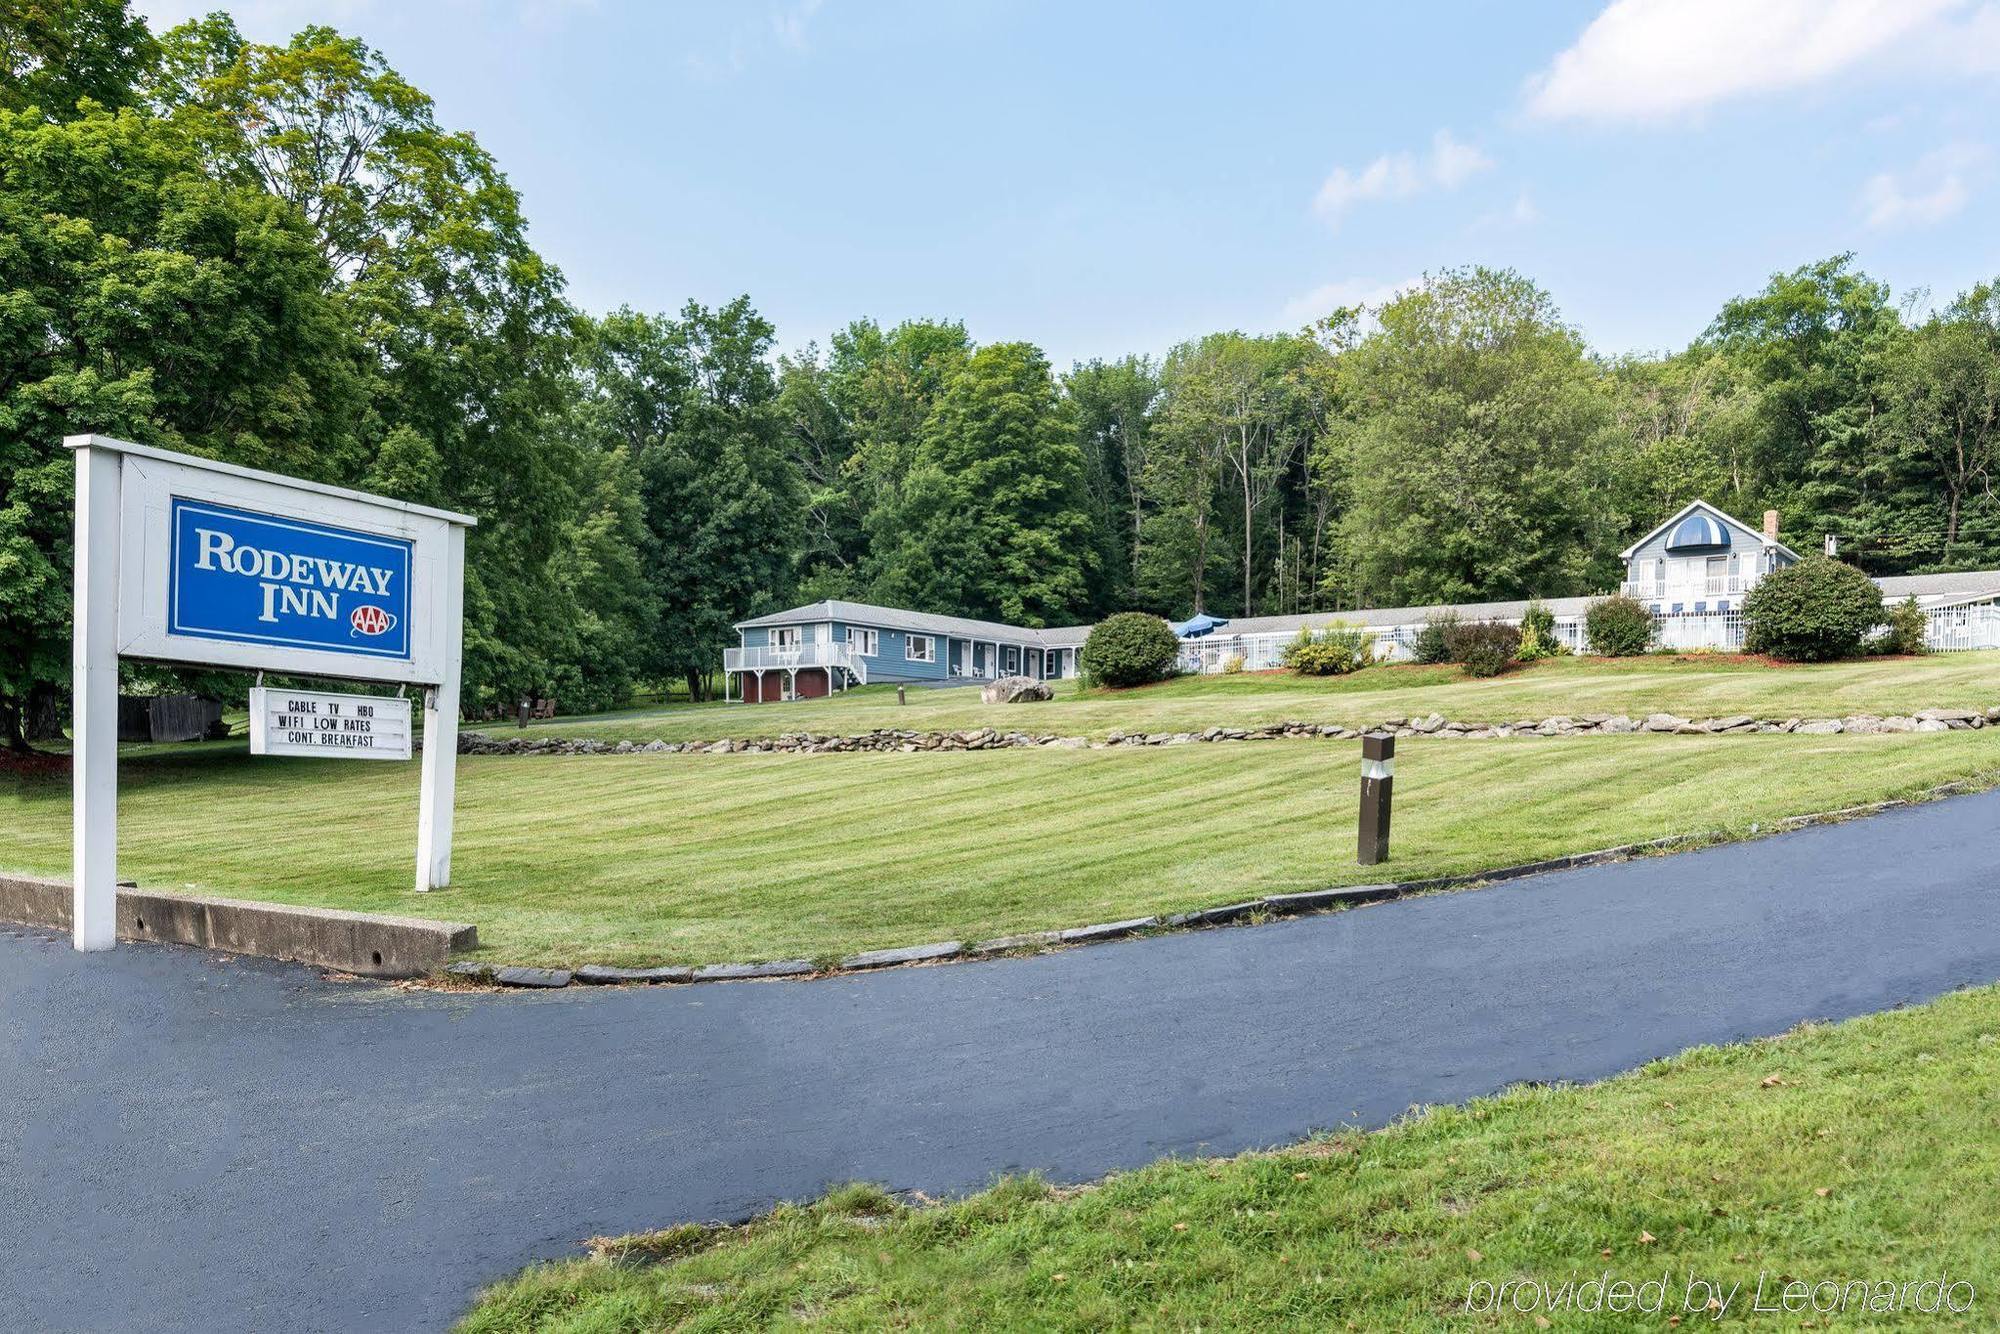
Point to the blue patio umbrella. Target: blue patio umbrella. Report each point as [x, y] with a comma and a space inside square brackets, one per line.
[1197, 625]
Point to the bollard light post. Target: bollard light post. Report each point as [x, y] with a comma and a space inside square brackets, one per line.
[899, 696]
[521, 715]
[1378, 776]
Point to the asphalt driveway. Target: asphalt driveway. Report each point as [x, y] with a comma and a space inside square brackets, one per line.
[195, 1142]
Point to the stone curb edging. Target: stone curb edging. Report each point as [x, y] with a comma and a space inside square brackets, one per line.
[987, 738]
[1271, 905]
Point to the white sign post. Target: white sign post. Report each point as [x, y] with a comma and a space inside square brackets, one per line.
[185, 560]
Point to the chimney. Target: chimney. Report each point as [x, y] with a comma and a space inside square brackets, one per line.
[1770, 525]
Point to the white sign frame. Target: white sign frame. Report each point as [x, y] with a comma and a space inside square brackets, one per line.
[148, 486]
[122, 490]
[263, 735]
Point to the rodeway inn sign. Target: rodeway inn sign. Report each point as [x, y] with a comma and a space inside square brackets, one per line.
[253, 579]
[184, 560]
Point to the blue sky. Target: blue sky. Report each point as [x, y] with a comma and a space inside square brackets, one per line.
[1104, 178]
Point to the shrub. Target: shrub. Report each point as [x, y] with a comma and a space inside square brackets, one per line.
[1619, 627]
[1335, 651]
[1232, 665]
[1432, 645]
[1904, 632]
[1814, 611]
[1538, 634]
[1129, 649]
[1483, 648]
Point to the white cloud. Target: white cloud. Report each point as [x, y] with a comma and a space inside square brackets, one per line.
[1934, 188]
[1322, 300]
[1454, 163]
[1399, 175]
[1521, 213]
[790, 23]
[1652, 59]
[1385, 178]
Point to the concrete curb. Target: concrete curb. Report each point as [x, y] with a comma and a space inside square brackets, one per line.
[367, 944]
[907, 954]
[1270, 906]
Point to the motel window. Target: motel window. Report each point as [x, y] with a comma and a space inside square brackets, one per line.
[919, 648]
[785, 636]
[1660, 575]
[863, 642]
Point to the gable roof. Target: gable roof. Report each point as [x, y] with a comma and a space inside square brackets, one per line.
[1697, 506]
[1941, 589]
[920, 622]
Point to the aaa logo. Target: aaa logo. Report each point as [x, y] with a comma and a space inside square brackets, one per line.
[371, 620]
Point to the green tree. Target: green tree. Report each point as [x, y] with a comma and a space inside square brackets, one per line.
[1239, 410]
[887, 385]
[994, 520]
[141, 298]
[467, 335]
[1808, 343]
[1112, 404]
[1940, 422]
[815, 404]
[1688, 425]
[56, 53]
[694, 401]
[611, 621]
[1479, 449]
[854, 417]
[1182, 554]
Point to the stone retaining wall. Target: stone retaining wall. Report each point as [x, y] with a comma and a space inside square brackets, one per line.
[987, 738]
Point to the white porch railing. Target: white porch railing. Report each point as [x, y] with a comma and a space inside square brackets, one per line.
[1685, 591]
[791, 657]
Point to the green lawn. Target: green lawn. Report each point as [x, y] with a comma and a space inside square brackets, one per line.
[697, 858]
[1692, 686]
[1865, 1151]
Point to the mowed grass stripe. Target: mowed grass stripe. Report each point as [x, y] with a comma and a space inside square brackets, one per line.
[647, 859]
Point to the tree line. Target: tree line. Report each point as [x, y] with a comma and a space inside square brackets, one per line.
[275, 254]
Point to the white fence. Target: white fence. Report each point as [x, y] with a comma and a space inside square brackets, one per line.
[1948, 630]
[1957, 629]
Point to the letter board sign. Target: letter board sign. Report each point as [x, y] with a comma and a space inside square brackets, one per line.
[316, 723]
[250, 578]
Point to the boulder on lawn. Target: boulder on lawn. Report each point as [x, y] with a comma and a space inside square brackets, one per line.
[1015, 690]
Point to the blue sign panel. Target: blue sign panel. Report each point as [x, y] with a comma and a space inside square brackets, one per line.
[259, 579]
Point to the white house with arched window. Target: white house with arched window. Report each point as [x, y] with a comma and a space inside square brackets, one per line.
[1701, 562]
